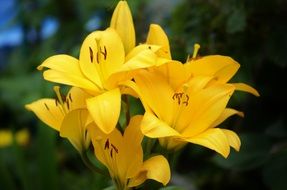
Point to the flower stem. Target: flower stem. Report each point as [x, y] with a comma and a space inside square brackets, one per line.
[127, 109]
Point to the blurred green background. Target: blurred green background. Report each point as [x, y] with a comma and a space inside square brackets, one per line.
[253, 32]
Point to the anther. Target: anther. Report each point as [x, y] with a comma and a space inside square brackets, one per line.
[46, 107]
[115, 148]
[107, 144]
[70, 97]
[104, 53]
[91, 55]
[68, 105]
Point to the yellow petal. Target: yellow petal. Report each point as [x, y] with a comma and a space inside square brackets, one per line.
[214, 139]
[48, 112]
[233, 139]
[132, 158]
[205, 107]
[152, 127]
[174, 72]
[144, 59]
[65, 69]
[156, 93]
[245, 88]
[102, 54]
[140, 48]
[221, 67]
[133, 134]
[156, 168]
[157, 36]
[122, 22]
[104, 147]
[105, 109]
[228, 112]
[77, 98]
[73, 127]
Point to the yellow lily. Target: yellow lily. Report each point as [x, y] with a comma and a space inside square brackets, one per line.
[122, 22]
[187, 114]
[123, 156]
[100, 70]
[68, 115]
[220, 68]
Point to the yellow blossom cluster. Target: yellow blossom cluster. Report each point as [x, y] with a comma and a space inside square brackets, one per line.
[183, 102]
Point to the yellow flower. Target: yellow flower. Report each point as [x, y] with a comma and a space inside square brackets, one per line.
[122, 22]
[187, 114]
[100, 70]
[123, 156]
[220, 68]
[68, 115]
[6, 137]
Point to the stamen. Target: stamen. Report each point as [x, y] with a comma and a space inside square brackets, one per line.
[115, 148]
[181, 98]
[46, 107]
[98, 49]
[60, 97]
[195, 50]
[70, 97]
[97, 55]
[107, 144]
[91, 55]
[68, 105]
[104, 53]
[186, 101]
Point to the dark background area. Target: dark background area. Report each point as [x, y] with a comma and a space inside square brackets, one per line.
[253, 32]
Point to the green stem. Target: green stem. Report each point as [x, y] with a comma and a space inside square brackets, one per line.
[127, 111]
[91, 166]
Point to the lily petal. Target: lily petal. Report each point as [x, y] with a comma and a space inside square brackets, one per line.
[214, 139]
[222, 68]
[152, 127]
[73, 127]
[48, 112]
[156, 168]
[156, 92]
[102, 54]
[205, 107]
[245, 88]
[105, 109]
[228, 112]
[233, 139]
[157, 36]
[122, 22]
[132, 149]
[65, 69]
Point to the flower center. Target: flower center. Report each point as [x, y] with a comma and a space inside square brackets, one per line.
[111, 147]
[62, 101]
